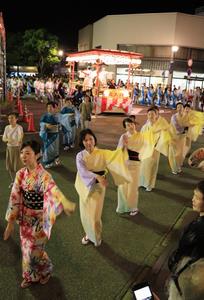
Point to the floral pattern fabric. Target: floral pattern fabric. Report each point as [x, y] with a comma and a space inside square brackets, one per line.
[35, 225]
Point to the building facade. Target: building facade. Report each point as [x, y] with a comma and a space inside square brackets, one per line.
[153, 35]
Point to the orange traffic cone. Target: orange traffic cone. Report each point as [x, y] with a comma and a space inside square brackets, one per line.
[17, 103]
[31, 126]
[9, 97]
[20, 108]
[25, 115]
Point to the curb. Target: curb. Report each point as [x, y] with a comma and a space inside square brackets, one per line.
[155, 269]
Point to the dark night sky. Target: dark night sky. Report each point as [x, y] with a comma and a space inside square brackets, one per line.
[64, 21]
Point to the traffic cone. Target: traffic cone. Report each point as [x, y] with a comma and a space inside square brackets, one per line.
[31, 126]
[9, 97]
[25, 115]
[20, 108]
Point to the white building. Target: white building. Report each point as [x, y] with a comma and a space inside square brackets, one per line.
[153, 35]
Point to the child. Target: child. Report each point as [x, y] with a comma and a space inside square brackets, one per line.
[13, 136]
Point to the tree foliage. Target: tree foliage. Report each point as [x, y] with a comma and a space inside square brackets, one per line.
[33, 47]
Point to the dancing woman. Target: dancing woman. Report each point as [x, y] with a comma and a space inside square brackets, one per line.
[140, 145]
[34, 203]
[49, 133]
[92, 165]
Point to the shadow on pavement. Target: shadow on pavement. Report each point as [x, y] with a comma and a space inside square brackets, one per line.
[53, 288]
[174, 197]
[117, 260]
[11, 249]
[141, 219]
[64, 172]
[179, 180]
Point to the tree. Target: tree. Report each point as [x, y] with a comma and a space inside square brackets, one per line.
[33, 47]
[40, 48]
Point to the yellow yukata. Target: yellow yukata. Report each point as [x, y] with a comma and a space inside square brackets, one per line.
[179, 138]
[143, 144]
[91, 193]
[165, 144]
[194, 120]
[163, 140]
[149, 166]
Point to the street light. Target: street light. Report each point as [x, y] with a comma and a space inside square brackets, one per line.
[60, 52]
[59, 66]
[174, 49]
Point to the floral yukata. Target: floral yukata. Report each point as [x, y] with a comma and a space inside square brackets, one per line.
[34, 203]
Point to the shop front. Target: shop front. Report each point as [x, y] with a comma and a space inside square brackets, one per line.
[108, 96]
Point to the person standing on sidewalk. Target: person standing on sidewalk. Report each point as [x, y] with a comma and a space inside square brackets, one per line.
[35, 202]
[13, 136]
[186, 263]
[85, 109]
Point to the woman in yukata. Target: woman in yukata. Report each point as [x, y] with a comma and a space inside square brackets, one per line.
[92, 165]
[140, 145]
[34, 203]
[149, 166]
[49, 133]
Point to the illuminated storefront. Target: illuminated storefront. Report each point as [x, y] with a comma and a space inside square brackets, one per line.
[155, 35]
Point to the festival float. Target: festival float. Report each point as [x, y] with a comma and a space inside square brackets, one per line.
[106, 99]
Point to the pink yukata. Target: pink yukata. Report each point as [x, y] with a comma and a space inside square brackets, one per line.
[34, 203]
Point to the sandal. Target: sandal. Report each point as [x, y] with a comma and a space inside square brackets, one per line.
[98, 243]
[85, 240]
[44, 280]
[58, 162]
[134, 212]
[25, 284]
